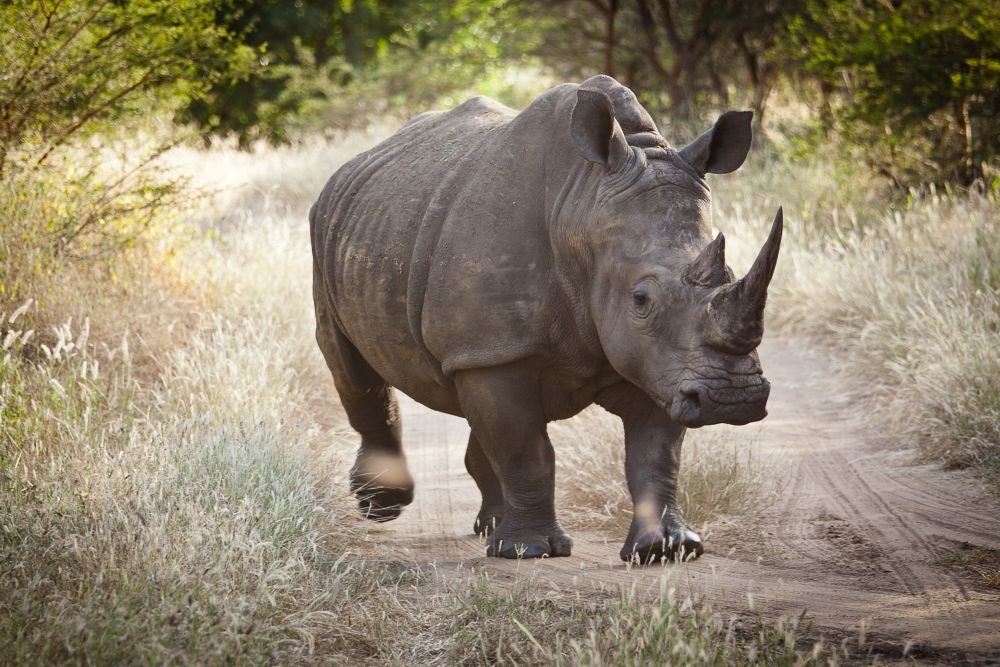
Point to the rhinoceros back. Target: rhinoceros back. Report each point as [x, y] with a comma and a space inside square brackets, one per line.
[375, 228]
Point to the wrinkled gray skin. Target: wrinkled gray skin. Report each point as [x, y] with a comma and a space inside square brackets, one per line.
[514, 268]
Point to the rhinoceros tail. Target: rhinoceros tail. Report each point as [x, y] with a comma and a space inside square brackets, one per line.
[317, 232]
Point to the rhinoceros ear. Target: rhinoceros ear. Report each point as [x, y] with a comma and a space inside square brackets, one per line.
[596, 133]
[724, 147]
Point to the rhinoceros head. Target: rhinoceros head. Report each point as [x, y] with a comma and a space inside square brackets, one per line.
[668, 311]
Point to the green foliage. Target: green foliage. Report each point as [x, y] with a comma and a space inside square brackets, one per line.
[921, 75]
[457, 45]
[299, 46]
[75, 65]
[459, 49]
[73, 68]
[340, 62]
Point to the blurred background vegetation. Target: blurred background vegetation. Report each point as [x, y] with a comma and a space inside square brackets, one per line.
[915, 83]
[910, 90]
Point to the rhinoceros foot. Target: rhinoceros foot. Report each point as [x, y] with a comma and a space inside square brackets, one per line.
[380, 504]
[681, 544]
[382, 485]
[528, 543]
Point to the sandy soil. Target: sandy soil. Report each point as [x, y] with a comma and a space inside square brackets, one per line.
[851, 540]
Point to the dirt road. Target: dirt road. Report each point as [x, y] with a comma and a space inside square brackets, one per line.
[852, 540]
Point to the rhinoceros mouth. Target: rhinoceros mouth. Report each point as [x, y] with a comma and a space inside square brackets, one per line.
[699, 403]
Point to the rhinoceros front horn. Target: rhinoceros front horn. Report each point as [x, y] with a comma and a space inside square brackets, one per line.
[736, 312]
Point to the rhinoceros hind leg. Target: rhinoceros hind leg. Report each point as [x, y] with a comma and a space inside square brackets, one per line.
[379, 477]
[504, 409]
[491, 511]
[381, 483]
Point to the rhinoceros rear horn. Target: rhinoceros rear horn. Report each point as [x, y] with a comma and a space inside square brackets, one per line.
[709, 268]
[737, 310]
[723, 148]
[597, 135]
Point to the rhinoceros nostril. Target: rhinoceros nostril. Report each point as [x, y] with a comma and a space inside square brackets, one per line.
[686, 408]
[692, 400]
[691, 390]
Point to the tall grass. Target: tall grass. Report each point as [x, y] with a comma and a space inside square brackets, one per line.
[186, 519]
[186, 508]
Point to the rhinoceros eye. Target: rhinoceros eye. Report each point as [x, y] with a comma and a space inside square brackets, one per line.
[641, 302]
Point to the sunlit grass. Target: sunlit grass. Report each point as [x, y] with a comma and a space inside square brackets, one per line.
[199, 511]
[188, 510]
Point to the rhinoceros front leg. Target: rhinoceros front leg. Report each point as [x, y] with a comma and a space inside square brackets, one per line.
[504, 409]
[491, 511]
[652, 462]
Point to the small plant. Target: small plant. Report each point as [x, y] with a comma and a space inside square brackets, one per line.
[982, 563]
[515, 623]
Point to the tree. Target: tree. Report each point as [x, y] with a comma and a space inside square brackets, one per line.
[71, 65]
[301, 46]
[919, 68]
[677, 54]
[323, 53]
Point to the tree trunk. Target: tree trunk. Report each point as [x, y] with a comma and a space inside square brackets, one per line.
[826, 107]
[968, 172]
[668, 79]
[757, 71]
[609, 37]
[719, 86]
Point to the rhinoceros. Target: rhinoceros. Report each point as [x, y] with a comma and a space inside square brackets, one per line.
[513, 268]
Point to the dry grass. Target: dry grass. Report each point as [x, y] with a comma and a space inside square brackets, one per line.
[268, 182]
[512, 624]
[188, 509]
[983, 565]
[185, 519]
